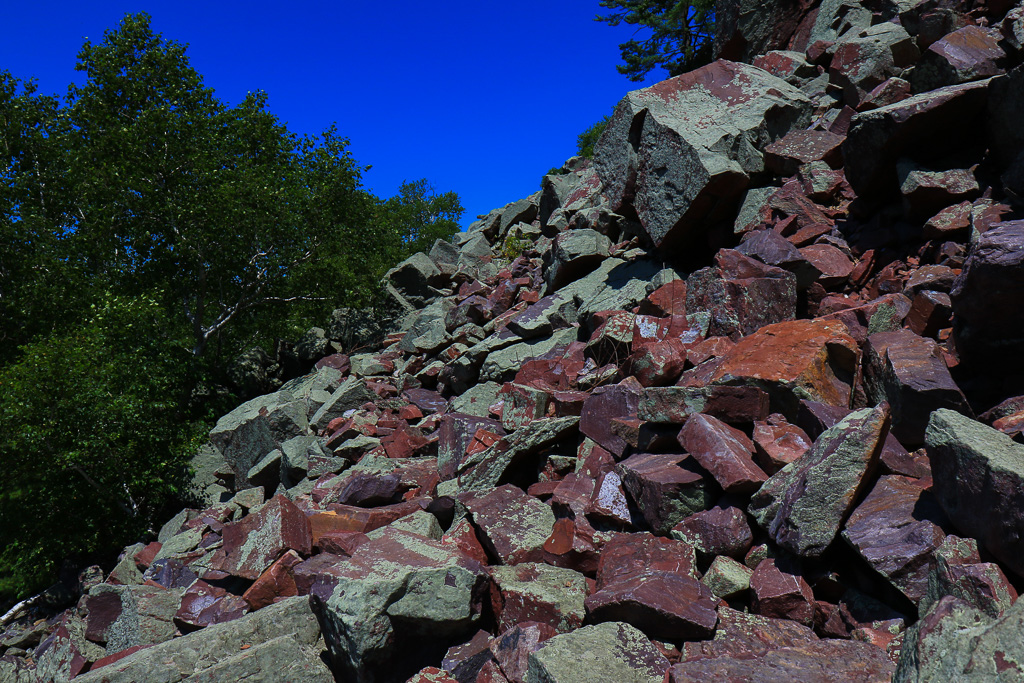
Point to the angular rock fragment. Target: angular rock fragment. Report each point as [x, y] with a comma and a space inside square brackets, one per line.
[779, 590]
[979, 481]
[724, 451]
[721, 531]
[666, 488]
[513, 526]
[665, 137]
[803, 506]
[253, 543]
[605, 652]
[538, 593]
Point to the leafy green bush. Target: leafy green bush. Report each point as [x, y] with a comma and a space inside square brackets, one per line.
[94, 444]
[588, 138]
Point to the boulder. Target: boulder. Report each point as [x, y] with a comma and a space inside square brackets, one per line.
[254, 542]
[865, 61]
[992, 283]
[606, 652]
[413, 277]
[803, 506]
[724, 451]
[530, 592]
[573, 254]
[979, 481]
[512, 525]
[664, 150]
[967, 54]
[666, 488]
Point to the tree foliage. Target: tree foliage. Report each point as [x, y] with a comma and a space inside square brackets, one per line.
[678, 34]
[587, 139]
[149, 233]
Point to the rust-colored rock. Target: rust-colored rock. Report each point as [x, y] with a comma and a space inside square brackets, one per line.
[724, 451]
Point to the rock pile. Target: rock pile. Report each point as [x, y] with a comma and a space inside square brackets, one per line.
[739, 399]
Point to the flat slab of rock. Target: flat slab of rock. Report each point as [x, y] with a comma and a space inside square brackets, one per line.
[794, 360]
[605, 652]
[821, 661]
[724, 451]
[979, 481]
[537, 592]
[513, 526]
[804, 505]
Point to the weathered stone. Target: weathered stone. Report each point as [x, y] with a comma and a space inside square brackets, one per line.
[773, 249]
[605, 652]
[350, 395]
[967, 54]
[785, 156]
[285, 637]
[144, 618]
[722, 530]
[955, 642]
[897, 529]
[513, 526]
[821, 661]
[511, 649]
[674, 405]
[863, 62]
[724, 451]
[413, 278]
[979, 480]
[487, 467]
[253, 543]
[538, 593]
[778, 589]
[606, 403]
[879, 138]
[992, 283]
[662, 604]
[203, 605]
[246, 434]
[573, 254]
[666, 488]
[727, 578]
[664, 137]
[397, 592]
[963, 575]
[835, 266]
[742, 295]
[794, 360]
[804, 505]
[744, 634]
[909, 372]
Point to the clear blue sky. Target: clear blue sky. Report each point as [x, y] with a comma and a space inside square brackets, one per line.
[478, 97]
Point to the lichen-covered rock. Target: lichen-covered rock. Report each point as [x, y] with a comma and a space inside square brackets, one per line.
[539, 593]
[979, 480]
[804, 505]
[666, 488]
[513, 526]
[399, 591]
[253, 543]
[678, 148]
[605, 652]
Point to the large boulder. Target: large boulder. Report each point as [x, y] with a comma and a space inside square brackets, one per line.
[988, 335]
[675, 150]
[979, 480]
[611, 651]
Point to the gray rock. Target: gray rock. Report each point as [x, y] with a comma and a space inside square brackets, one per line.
[413, 277]
[615, 285]
[201, 656]
[803, 505]
[573, 254]
[146, 617]
[313, 345]
[612, 651]
[486, 468]
[250, 431]
[978, 477]
[507, 361]
[680, 148]
[352, 394]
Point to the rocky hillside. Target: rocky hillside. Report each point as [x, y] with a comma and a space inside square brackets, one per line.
[739, 399]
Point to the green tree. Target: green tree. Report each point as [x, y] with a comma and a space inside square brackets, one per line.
[679, 38]
[419, 216]
[587, 139]
[93, 439]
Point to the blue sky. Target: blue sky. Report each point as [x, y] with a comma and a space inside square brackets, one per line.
[480, 98]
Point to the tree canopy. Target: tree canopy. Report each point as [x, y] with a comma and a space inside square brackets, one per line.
[149, 233]
[679, 37]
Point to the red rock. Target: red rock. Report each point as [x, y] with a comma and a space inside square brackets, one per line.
[464, 661]
[657, 364]
[745, 634]
[722, 530]
[573, 493]
[432, 674]
[663, 605]
[102, 610]
[572, 545]
[930, 312]
[667, 300]
[463, 536]
[709, 348]
[951, 222]
[144, 558]
[886, 311]
[835, 266]
[793, 360]
[512, 648]
[608, 503]
[897, 528]
[612, 338]
[605, 403]
[785, 156]
[369, 489]
[778, 443]
[350, 518]
[724, 451]
[116, 657]
[523, 405]
[253, 543]
[674, 405]
[820, 661]
[967, 54]
[426, 400]
[908, 371]
[890, 91]
[342, 543]
[276, 582]
[203, 605]
[779, 590]
[626, 555]
[666, 488]
[456, 432]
